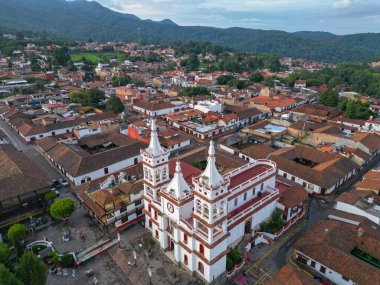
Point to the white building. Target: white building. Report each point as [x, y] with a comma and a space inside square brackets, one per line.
[209, 106]
[196, 224]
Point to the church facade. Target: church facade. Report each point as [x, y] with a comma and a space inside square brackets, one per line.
[197, 223]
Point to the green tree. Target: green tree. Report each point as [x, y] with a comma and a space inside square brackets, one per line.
[225, 79]
[118, 81]
[50, 196]
[191, 63]
[7, 277]
[5, 255]
[90, 97]
[17, 232]
[115, 105]
[61, 56]
[62, 209]
[256, 77]
[139, 83]
[329, 98]
[194, 91]
[31, 270]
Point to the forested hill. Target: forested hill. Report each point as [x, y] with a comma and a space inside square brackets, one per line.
[89, 20]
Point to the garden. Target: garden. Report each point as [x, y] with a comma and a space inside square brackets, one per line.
[274, 225]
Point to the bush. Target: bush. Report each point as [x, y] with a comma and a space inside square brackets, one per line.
[230, 263]
[67, 260]
[235, 256]
[50, 196]
[274, 225]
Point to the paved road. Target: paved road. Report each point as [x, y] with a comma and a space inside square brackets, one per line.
[319, 210]
[30, 151]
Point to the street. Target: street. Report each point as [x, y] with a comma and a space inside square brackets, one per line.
[30, 151]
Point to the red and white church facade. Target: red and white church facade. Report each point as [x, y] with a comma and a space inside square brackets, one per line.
[197, 224]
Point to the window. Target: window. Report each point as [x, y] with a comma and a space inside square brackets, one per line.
[200, 267]
[285, 175]
[156, 234]
[41, 136]
[201, 249]
[155, 215]
[245, 196]
[150, 224]
[185, 238]
[345, 278]
[254, 191]
[106, 170]
[323, 269]
[235, 202]
[262, 186]
[138, 202]
[139, 212]
[312, 264]
[185, 259]
[136, 161]
[53, 133]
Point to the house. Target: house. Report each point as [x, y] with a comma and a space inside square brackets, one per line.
[341, 251]
[23, 183]
[319, 172]
[114, 202]
[153, 109]
[318, 113]
[290, 275]
[299, 84]
[196, 223]
[361, 203]
[91, 157]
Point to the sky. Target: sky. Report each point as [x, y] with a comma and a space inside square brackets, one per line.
[336, 16]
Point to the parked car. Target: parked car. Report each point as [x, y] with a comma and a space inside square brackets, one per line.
[56, 184]
[63, 182]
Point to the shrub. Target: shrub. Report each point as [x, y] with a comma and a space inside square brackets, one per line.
[230, 263]
[235, 256]
[50, 196]
[67, 260]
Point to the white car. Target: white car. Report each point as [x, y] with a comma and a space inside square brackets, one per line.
[63, 182]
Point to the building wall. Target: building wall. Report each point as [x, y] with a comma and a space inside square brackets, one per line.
[332, 275]
[356, 211]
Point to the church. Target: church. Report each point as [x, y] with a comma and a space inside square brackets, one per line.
[197, 223]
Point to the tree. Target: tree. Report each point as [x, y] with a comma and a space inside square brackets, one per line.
[31, 270]
[62, 209]
[225, 79]
[139, 83]
[61, 56]
[118, 81]
[7, 277]
[191, 63]
[17, 232]
[5, 255]
[50, 196]
[115, 105]
[194, 91]
[256, 77]
[329, 98]
[90, 97]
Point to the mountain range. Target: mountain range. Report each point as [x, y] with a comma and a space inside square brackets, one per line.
[83, 20]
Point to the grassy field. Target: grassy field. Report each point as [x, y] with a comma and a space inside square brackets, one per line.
[98, 56]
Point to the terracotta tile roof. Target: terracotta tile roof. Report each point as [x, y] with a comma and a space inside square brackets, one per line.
[317, 110]
[18, 174]
[368, 184]
[77, 161]
[290, 275]
[258, 151]
[293, 195]
[369, 140]
[330, 169]
[331, 242]
[153, 106]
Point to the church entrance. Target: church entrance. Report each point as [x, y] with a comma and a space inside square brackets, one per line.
[247, 227]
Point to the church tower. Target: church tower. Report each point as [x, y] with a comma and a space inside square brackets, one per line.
[210, 217]
[155, 164]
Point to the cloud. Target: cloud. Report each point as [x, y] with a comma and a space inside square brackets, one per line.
[341, 4]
